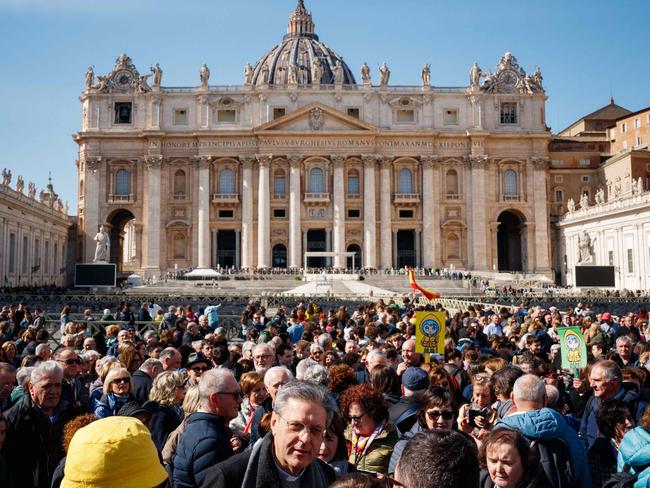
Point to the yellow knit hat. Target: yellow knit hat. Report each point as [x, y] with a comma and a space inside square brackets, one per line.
[115, 452]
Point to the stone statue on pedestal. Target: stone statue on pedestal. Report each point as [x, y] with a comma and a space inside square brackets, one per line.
[365, 73]
[90, 78]
[248, 74]
[157, 74]
[384, 72]
[204, 75]
[338, 73]
[571, 205]
[6, 177]
[584, 202]
[426, 75]
[31, 189]
[474, 76]
[103, 246]
[585, 250]
[20, 184]
[316, 72]
[600, 196]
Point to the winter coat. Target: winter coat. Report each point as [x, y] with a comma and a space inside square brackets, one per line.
[141, 385]
[164, 419]
[256, 468]
[110, 404]
[205, 442]
[401, 443]
[635, 452]
[378, 454]
[546, 423]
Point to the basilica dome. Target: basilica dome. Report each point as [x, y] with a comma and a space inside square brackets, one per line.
[301, 57]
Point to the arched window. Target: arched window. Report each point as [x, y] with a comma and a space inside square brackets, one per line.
[451, 182]
[353, 183]
[227, 181]
[279, 184]
[405, 181]
[510, 187]
[453, 246]
[122, 182]
[316, 181]
[179, 183]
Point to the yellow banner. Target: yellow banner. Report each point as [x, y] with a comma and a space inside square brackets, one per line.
[430, 332]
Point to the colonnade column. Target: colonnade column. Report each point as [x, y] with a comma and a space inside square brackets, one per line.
[430, 205]
[204, 238]
[369, 218]
[247, 212]
[152, 193]
[540, 174]
[385, 217]
[477, 210]
[263, 213]
[91, 207]
[295, 237]
[339, 211]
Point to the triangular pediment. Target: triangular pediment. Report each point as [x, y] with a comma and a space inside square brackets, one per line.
[316, 117]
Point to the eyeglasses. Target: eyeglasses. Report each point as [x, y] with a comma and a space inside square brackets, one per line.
[70, 362]
[435, 414]
[357, 418]
[126, 380]
[299, 427]
[263, 356]
[235, 394]
[200, 370]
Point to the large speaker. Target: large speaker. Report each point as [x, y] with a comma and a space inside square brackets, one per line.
[94, 275]
[595, 276]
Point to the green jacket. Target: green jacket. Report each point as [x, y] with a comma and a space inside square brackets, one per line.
[378, 454]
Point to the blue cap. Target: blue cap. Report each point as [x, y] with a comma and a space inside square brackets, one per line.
[415, 379]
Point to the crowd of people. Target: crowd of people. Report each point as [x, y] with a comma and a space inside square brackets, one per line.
[308, 397]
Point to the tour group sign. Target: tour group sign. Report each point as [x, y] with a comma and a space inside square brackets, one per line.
[430, 333]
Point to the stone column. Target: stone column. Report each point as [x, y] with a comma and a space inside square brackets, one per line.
[369, 218]
[295, 254]
[155, 111]
[493, 264]
[430, 208]
[385, 211]
[477, 210]
[540, 175]
[394, 241]
[203, 165]
[263, 213]
[338, 208]
[152, 215]
[91, 208]
[204, 111]
[247, 232]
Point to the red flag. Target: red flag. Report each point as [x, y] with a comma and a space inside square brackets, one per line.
[428, 294]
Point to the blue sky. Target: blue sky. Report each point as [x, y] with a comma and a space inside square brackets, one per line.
[585, 48]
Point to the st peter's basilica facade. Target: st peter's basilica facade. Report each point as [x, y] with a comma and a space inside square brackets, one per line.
[303, 157]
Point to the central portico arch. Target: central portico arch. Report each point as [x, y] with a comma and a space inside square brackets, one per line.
[511, 241]
[125, 248]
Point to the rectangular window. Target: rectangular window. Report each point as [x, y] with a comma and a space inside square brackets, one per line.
[639, 141]
[450, 116]
[226, 214]
[12, 253]
[354, 213]
[123, 112]
[584, 178]
[353, 185]
[559, 198]
[226, 115]
[584, 162]
[508, 113]
[630, 261]
[279, 213]
[623, 128]
[405, 116]
[278, 112]
[610, 258]
[557, 162]
[354, 113]
[279, 186]
[25, 264]
[637, 123]
[406, 214]
[180, 116]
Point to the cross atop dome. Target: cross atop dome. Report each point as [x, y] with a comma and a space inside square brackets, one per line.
[300, 23]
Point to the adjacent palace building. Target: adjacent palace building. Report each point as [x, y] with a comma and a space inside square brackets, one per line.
[304, 157]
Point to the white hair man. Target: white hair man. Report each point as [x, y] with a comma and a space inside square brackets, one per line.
[263, 357]
[143, 379]
[625, 356]
[375, 358]
[532, 419]
[289, 455]
[206, 440]
[34, 427]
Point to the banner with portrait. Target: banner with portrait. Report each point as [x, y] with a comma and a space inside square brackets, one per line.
[430, 332]
[573, 347]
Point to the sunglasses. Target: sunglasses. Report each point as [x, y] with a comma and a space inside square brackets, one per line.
[357, 418]
[70, 362]
[446, 415]
[122, 380]
[200, 370]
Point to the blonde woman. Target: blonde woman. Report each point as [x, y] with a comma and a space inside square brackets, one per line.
[191, 404]
[117, 392]
[102, 367]
[165, 404]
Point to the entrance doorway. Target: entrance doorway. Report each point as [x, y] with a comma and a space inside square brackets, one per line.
[124, 250]
[357, 256]
[316, 242]
[509, 242]
[226, 248]
[279, 256]
[405, 248]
